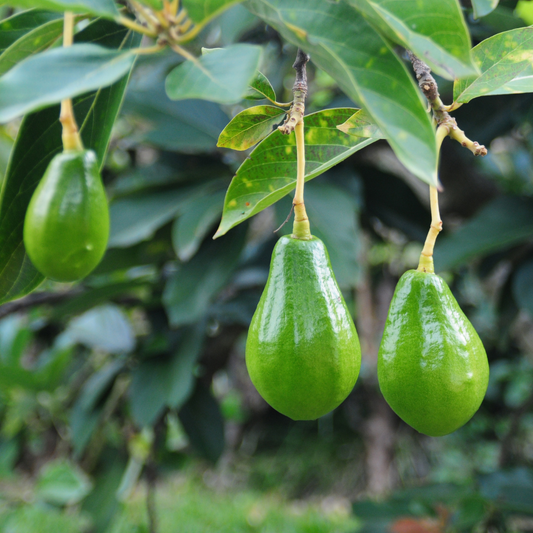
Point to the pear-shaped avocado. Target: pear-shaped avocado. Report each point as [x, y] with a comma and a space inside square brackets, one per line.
[432, 367]
[302, 352]
[67, 222]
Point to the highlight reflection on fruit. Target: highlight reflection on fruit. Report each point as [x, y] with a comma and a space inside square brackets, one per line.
[67, 222]
[302, 352]
[432, 367]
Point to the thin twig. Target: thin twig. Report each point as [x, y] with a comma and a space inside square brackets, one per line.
[39, 298]
[299, 90]
[286, 220]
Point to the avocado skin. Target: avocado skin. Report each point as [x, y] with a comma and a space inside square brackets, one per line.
[66, 227]
[302, 351]
[432, 367]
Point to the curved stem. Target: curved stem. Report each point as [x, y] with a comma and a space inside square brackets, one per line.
[183, 52]
[301, 229]
[70, 135]
[174, 7]
[426, 257]
[135, 26]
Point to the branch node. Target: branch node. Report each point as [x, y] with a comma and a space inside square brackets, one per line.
[429, 87]
[299, 89]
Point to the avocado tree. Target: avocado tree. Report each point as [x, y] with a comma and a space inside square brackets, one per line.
[188, 114]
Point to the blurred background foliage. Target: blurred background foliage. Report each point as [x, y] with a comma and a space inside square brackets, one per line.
[125, 405]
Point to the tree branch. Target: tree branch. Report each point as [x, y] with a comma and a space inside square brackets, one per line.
[429, 87]
[299, 90]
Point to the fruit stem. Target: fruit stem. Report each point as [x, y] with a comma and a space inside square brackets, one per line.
[301, 229]
[70, 135]
[426, 257]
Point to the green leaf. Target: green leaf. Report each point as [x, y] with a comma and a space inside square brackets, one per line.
[101, 504]
[250, 126]
[270, 172]
[102, 8]
[220, 76]
[260, 88]
[190, 229]
[510, 490]
[38, 141]
[31, 43]
[191, 125]
[62, 483]
[54, 75]
[483, 7]
[523, 286]
[501, 224]
[15, 27]
[434, 30]
[156, 4]
[86, 413]
[136, 218]
[202, 11]
[165, 381]
[191, 289]
[202, 420]
[502, 58]
[96, 296]
[361, 124]
[343, 44]
[102, 328]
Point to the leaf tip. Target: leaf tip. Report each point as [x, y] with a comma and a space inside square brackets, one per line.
[344, 128]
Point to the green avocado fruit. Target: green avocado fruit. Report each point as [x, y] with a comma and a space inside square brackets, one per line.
[302, 352]
[432, 367]
[66, 228]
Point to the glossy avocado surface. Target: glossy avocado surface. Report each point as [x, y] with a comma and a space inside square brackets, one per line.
[432, 367]
[302, 351]
[66, 228]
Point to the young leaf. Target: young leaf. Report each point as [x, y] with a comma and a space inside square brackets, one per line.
[361, 124]
[202, 11]
[434, 30]
[60, 73]
[483, 7]
[504, 59]
[101, 8]
[15, 27]
[31, 43]
[250, 126]
[343, 44]
[270, 172]
[220, 76]
[38, 140]
[260, 88]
